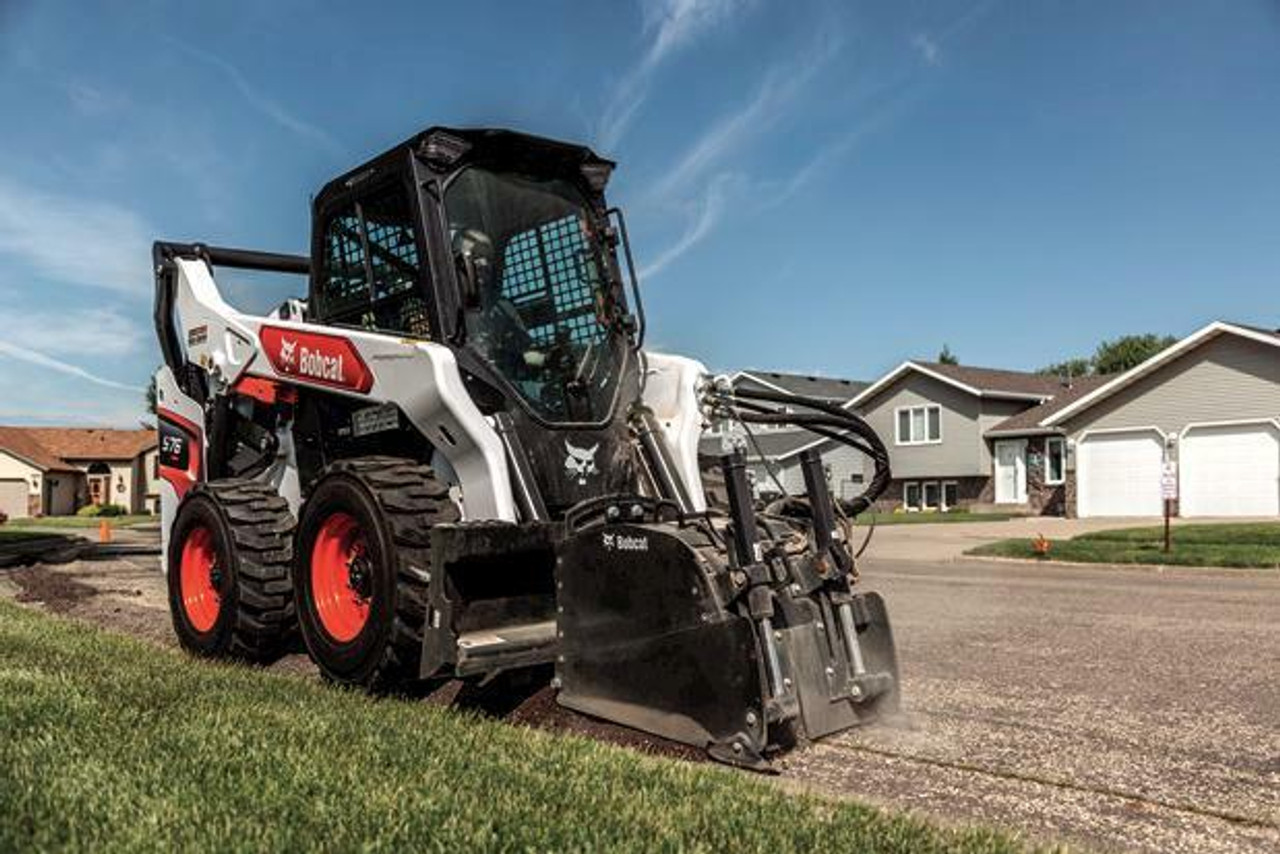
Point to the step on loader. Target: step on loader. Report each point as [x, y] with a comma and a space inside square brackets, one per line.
[455, 459]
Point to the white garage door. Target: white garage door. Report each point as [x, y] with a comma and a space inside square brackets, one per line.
[1118, 474]
[13, 498]
[1230, 470]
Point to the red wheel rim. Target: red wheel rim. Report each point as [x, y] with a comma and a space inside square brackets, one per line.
[200, 597]
[341, 577]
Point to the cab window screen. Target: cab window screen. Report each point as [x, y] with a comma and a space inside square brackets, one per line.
[372, 267]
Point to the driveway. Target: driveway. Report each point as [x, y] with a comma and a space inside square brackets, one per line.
[947, 541]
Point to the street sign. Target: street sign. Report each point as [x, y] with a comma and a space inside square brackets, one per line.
[1169, 481]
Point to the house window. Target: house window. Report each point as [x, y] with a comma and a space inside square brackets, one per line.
[1055, 460]
[911, 496]
[919, 425]
[931, 496]
[950, 494]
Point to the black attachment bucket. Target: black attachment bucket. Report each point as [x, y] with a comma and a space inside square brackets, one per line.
[491, 601]
[647, 642]
[839, 685]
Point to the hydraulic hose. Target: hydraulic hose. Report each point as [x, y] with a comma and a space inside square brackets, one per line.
[822, 419]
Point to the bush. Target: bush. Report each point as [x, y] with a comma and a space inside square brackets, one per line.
[3, 517]
[91, 510]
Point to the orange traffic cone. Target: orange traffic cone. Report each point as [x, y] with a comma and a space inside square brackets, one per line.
[104, 531]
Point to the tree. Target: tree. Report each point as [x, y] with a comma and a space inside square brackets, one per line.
[946, 357]
[1114, 357]
[1077, 367]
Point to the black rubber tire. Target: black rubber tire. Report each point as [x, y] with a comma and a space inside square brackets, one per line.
[396, 502]
[252, 536]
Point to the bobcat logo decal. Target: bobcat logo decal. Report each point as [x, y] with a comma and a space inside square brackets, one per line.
[581, 462]
[286, 351]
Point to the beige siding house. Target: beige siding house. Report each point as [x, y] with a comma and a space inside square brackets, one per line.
[1206, 412]
[64, 469]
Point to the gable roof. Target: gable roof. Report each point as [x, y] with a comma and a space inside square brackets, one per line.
[54, 446]
[1030, 421]
[827, 388]
[980, 382]
[19, 443]
[1173, 351]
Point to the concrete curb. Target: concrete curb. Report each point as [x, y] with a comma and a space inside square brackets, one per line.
[1146, 567]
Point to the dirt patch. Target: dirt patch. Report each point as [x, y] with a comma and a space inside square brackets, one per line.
[58, 592]
[129, 596]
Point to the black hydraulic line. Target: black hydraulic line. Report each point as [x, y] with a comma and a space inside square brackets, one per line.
[840, 435]
[824, 419]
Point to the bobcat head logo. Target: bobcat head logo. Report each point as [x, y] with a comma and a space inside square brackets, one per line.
[286, 351]
[581, 462]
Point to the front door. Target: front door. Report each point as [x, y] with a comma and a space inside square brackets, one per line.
[98, 488]
[1011, 472]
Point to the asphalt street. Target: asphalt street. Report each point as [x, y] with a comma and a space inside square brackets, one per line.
[1128, 709]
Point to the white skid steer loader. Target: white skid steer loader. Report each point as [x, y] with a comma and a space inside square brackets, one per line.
[455, 459]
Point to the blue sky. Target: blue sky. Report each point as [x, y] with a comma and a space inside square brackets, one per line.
[817, 186]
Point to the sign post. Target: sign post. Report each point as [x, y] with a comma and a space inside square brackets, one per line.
[1169, 492]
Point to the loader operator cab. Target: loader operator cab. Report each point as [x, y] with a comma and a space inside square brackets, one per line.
[507, 256]
[537, 304]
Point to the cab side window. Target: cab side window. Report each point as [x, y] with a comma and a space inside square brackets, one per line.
[372, 267]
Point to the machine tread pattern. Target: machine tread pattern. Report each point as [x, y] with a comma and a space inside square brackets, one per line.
[412, 500]
[261, 527]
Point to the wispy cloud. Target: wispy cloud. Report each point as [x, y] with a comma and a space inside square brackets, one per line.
[34, 357]
[100, 331]
[928, 49]
[72, 240]
[707, 214]
[669, 25]
[781, 86]
[94, 101]
[259, 100]
[702, 181]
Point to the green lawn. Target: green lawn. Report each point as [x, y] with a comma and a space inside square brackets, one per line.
[1251, 544]
[107, 743]
[930, 518]
[79, 521]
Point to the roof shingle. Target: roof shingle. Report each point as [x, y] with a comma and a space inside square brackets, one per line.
[995, 381]
[53, 447]
[827, 388]
[1029, 419]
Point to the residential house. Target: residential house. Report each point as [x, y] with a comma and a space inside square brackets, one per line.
[1205, 413]
[53, 471]
[936, 421]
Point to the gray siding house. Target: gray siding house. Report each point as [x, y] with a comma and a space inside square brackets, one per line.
[935, 418]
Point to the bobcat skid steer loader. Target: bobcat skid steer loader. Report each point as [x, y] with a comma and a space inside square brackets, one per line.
[455, 460]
